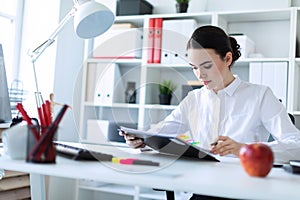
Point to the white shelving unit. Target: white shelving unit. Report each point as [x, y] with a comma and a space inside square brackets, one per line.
[113, 191]
[275, 32]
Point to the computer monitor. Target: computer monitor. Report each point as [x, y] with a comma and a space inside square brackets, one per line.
[5, 109]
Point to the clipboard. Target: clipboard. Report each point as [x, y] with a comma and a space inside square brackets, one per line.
[167, 144]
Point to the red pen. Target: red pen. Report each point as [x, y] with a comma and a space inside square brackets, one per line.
[41, 116]
[20, 107]
[48, 109]
[46, 113]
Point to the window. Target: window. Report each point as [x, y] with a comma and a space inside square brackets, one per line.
[9, 26]
[24, 25]
[39, 20]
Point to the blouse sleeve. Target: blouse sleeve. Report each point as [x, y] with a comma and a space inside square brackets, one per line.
[286, 144]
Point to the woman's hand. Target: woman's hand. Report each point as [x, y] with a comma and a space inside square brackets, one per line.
[225, 145]
[132, 141]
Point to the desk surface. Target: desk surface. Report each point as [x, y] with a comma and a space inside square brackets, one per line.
[225, 178]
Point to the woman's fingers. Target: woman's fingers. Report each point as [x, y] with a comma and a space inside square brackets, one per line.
[135, 143]
[132, 141]
[225, 146]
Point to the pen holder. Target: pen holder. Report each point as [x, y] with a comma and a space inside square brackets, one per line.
[40, 147]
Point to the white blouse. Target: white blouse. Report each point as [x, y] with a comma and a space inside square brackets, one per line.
[243, 111]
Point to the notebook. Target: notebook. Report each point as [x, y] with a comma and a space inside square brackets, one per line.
[164, 143]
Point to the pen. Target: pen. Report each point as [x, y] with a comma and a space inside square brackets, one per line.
[134, 161]
[48, 109]
[214, 144]
[47, 114]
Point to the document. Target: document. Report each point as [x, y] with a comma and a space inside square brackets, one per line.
[167, 144]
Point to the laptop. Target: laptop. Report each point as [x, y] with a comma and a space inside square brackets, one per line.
[5, 109]
[166, 144]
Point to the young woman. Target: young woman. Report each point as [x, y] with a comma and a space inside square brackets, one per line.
[227, 110]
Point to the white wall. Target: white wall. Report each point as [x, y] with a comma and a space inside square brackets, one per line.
[70, 51]
[69, 58]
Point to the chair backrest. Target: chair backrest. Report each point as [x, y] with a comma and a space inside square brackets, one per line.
[290, 115]
[292, 118]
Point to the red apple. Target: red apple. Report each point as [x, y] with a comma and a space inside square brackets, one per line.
[256, 159]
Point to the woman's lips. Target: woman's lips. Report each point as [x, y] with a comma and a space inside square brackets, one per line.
[206, 82]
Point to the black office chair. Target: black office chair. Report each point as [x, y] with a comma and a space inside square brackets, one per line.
[170, 195]
[290, 115]
[292, 118]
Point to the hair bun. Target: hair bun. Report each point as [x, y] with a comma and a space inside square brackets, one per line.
[235, 48]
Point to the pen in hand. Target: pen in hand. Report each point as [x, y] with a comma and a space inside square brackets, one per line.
[214, 144]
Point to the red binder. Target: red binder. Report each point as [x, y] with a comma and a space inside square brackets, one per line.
[150, 40]
[157, 40]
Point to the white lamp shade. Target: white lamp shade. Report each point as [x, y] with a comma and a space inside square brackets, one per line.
[92, 19]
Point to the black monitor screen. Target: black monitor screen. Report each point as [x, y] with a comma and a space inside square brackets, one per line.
[5, 109]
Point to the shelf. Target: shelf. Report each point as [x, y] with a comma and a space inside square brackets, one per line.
[15, 185]
[137, 20]
[201, 18]
[242, 60]
[160, 107]
[126, 190]
[167, 66]
[113, 105]
[296, 112]
[112, 188]
[4, 125]
[248, 60]
[115, 60]
[152, 194]
[254, 15]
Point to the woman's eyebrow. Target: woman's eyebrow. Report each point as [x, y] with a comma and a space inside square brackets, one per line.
[200, 64]
[205, 63]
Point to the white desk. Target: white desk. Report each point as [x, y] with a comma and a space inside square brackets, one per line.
[225, 179]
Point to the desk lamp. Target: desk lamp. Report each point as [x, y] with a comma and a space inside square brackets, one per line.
[91, 19]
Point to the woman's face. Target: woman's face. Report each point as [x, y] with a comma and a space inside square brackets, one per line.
[212, 70]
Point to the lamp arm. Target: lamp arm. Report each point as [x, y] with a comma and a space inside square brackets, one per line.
[35, 54]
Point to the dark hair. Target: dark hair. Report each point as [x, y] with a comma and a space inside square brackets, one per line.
[212, 37]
